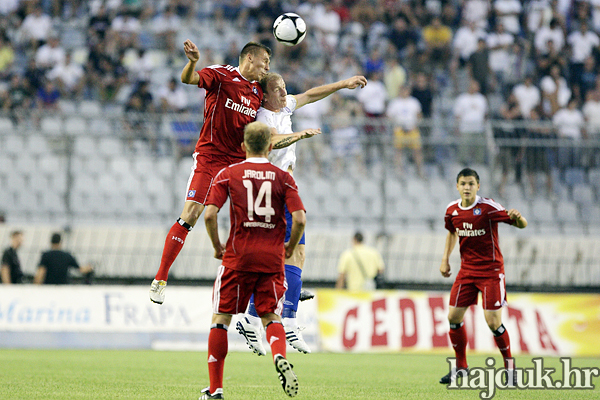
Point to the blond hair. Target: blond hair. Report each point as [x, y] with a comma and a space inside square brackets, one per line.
[257, 137]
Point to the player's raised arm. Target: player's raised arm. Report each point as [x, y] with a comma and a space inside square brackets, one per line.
[280, 141]
[520, 221]
[320, 92]
[189, 74]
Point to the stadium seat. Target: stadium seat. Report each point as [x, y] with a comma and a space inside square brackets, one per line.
[52, 126]
[14, 144]
[100, 127]
[90, 108]
[574, 176]
[345, 187]
[85, 146]
[567, 213]
[67, 107]
[37, 145]
[583, 194]
[6, 126]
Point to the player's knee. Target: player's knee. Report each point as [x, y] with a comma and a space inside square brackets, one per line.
[191, 212]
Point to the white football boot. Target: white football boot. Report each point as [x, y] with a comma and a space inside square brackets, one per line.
[295, 339]
[287, 377]
[157, 291]
[253, 336]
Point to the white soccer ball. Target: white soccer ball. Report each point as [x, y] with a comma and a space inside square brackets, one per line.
[289, 29]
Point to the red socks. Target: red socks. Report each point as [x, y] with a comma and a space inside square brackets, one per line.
[276, 338]
[173, 245]
[503, 342]
[217, 351]
[458, 338]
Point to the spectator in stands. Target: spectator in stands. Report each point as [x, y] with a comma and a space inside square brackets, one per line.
[527, 95]
[464, 44]
[172, 97]
[99, 22]
[10, 271]
[55, 264]
[405, 114]
[553, 33]
[437, 38]
[499, 43]
[591, 113]
[479, 66]
[581, 43]
[587, 80]
[20, 98]
[345, 135]
[328, 25]
[508, 14]
[476, 12]
[555, 91]
[373, 98]
[402, 35]
[68, 77]
[545, 61]
[47, 97]
[538, 154]
[518, 67]
[570, 126]
[127, 27]
[470, 110]
[374, 62]
[510, 156]
[36, 26]
[166, 25]
[394, 76]
[138, 124]
[7, 57]
[50, 54]
[359, 266]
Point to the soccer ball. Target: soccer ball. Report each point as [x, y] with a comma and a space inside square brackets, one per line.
[289, 29]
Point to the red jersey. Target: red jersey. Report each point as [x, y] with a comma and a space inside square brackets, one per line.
[477, 229]
[258, 191]
[231, 103]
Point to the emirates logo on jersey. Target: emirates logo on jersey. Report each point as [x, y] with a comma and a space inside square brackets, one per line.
[469, 231]
[242, 107]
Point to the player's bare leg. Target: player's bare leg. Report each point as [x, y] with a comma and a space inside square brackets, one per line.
[173, 245]
[458, 338]
[494, 321]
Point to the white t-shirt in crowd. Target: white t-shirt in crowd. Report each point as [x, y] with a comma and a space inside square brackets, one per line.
[544, 34]
[528, 97]
[548, 86]
[470, 109]
[498, 60]
[582, 45]
[373, 97]
[569, 123]
[510, 10]
[591, 112]
[404, 112]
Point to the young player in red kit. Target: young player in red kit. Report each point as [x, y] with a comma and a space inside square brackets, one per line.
[253, 259]
[233, 96]
[473, 220]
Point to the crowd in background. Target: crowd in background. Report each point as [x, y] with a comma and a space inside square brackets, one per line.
[538, 57]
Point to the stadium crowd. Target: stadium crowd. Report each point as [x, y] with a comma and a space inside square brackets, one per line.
[523, 61]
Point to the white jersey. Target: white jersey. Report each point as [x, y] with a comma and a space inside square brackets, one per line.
[282, 121]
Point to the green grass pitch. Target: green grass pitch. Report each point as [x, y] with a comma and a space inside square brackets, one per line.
[112, 374]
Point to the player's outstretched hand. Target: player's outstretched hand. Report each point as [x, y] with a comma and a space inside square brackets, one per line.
[219, 251]
[356, 81]
[445, 269]
[308, 133]
[514, 214]
[191, 50]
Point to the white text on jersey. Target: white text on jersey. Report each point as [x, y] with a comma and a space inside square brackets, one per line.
[240, 108]
[262, 175]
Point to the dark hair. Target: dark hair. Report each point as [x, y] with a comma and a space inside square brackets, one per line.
[468, 172]
[358, 237]
[56, 238]
[257, 137]
[253, 47]
[15, 233]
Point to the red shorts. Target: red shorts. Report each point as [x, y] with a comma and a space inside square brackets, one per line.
[465, 290]
[204, 170]
[232, 291]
